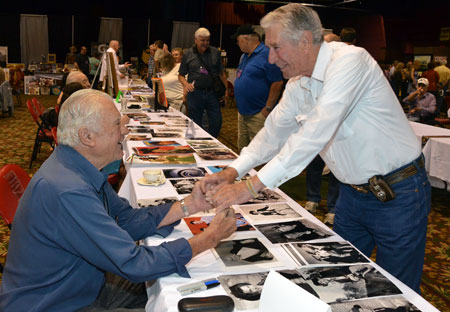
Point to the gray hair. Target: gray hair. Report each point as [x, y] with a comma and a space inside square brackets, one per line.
[74, 76]
[202, 32]
[295, 18]
[81, 109]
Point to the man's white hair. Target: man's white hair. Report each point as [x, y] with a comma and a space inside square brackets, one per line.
[295, 18]
[75, 76]
[81, 109]
[202, 32]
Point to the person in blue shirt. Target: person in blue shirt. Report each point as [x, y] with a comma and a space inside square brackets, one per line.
[257, 86]
[71, 227]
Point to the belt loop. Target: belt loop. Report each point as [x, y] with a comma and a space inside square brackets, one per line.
[418, 160]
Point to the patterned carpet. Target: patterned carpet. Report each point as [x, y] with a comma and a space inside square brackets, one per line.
[18, 133]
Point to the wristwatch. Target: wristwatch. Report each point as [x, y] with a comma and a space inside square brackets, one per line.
[184, 208]
[268, 108]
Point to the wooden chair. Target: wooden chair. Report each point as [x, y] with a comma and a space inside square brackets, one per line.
[42, 134]
[13, 182]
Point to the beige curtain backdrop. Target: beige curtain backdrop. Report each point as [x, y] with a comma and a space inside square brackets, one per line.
[183, 34]
[33, 38]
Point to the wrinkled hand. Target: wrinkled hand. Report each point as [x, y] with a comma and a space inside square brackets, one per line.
[127, 64]
[223, 224]
[230, 194]
[196, 201]
[211, 183]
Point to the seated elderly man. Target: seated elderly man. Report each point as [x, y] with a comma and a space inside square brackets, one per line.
[71, 227]
[422, 104]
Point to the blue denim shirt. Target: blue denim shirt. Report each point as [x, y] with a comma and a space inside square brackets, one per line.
[63, 239]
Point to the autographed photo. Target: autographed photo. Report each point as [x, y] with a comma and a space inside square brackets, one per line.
[269, 212]
[386, 304]
[244, 289]
[292, 231]
[329, 253]
[349, 282]
[239, 253]
[199, 224]
[266, 196]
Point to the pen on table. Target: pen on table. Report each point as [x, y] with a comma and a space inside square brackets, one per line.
[198, 286]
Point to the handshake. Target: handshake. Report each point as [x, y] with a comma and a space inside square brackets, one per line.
[219, 191]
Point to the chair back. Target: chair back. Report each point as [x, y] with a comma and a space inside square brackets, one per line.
[55, 135]
[39, 106]
[13, 182]
[32, 108]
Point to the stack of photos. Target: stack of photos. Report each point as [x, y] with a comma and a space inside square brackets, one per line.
[386, 304]
[188, 159]
[199, 224]
[184, 186]
[182, 173]
[165, 134]
[292, 231]
[162, 143]
[177, 122]
[263, 213]
[324, 253]
[136, 116]
[238, 254]
[136, 137]
[199, 144]
[138, 129]
[163, 150]
[216, 154]
[168, 116]
[343, 283]
[153, 202]
[152, 123]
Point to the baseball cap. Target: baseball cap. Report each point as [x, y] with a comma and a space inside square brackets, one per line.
[244, 29]
[423, 81]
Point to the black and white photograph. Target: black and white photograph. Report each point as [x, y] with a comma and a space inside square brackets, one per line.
[184, 186]
[215, 154]
[244, 289]
[386, 304]
[156, 134]
[292, 231]
[180, 173]
[349, 282]
[139, 129]
[266, 196]
[263, 213]
[244, 252]
[152, 202]
[329, 253]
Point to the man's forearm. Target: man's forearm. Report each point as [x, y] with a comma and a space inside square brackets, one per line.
[176, 212]
[274, 93]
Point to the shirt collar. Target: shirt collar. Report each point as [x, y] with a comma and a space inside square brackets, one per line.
[78, 163]
[323, 58]
[258, 49]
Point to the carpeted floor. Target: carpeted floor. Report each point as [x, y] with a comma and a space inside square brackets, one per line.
[18, 133]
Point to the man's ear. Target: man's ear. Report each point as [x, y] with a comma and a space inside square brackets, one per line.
[306, 40]
[86, 137]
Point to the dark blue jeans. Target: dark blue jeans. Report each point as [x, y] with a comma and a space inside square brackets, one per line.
[198, 102]
[314, 182]
[397, 228]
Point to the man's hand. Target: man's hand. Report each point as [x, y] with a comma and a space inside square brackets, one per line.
[196, 201]
[222, 226]
[127, 64]
[265, 112]
[189, 87]
[230, 194]
[211, 183]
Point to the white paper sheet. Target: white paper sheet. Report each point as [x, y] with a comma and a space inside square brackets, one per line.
[280, 294]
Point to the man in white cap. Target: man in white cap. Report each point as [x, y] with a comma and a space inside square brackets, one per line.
[422, 104]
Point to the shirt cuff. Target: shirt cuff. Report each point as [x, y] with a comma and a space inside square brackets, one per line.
[181, 253]
[159, 214]
[242, 164]
[273, 174]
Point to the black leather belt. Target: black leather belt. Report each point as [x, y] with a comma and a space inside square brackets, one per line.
[204, 89]
[393, 178]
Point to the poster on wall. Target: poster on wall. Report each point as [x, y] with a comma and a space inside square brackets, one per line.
[424, 59]
[440, 59]
[31, 85]
[3, 56]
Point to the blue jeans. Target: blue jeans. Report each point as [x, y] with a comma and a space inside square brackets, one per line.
[314, 182]
[398, 227]
[198, 102]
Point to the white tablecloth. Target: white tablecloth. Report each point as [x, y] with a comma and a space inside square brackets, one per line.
[436, 152]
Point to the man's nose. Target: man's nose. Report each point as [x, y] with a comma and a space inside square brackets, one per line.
[272, 56]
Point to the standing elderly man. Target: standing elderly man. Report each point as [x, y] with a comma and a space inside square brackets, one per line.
[114, 46]
[203, 64]
[71, 227]
[257, 86]
[339, 104]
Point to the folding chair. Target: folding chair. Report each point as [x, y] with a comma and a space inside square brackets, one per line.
[39, 105]
[13, 182]
[55, 135]
[42, 134]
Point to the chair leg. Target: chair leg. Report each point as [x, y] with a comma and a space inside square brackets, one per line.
[35, 149]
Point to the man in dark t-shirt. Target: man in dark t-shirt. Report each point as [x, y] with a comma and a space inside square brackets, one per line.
[82, 61]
